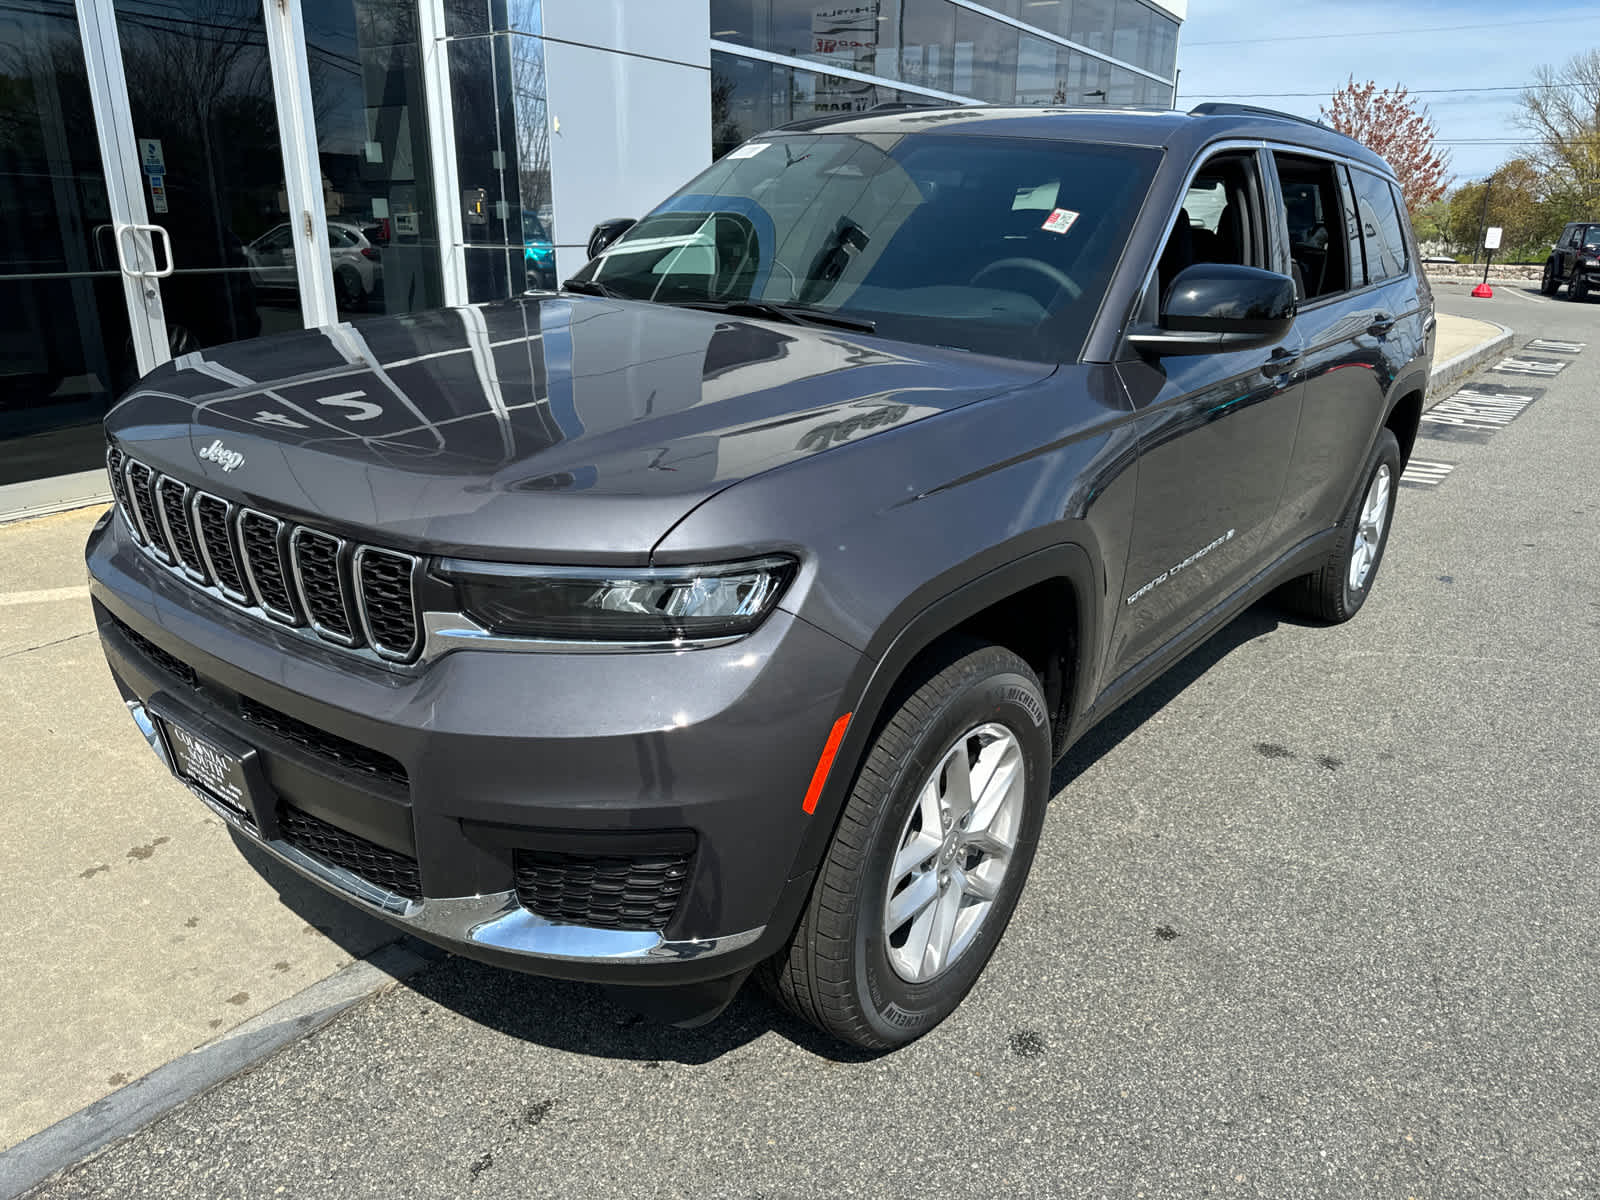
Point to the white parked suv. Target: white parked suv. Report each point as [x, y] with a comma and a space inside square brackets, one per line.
[357, 266]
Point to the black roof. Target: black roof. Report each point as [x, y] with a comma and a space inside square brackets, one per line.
[1158, 128]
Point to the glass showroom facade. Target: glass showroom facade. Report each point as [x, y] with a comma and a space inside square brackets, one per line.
[179, 173]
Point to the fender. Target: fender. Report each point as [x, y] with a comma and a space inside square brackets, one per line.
[903, 640]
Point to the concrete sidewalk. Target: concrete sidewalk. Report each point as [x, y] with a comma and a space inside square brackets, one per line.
[134, 931]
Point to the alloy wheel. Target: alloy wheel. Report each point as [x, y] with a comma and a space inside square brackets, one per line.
[1369, 529]
[953, 852]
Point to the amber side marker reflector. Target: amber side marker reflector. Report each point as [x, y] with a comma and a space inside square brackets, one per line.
[825, 763]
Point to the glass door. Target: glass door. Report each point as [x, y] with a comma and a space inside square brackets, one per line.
[208, 232]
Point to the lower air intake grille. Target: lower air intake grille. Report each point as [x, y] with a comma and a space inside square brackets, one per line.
[172, 665]
[639, 891]
[330, 748]
[388, 869]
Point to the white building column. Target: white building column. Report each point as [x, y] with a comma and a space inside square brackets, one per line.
[628, 88]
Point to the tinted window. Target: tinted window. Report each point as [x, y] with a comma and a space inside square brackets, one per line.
[1381, 239]
[998, 245]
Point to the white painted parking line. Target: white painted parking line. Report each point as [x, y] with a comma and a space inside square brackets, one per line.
[44, 596]
[1545, 367]
[1419, 473]
[1551, 345]
[1470, 409]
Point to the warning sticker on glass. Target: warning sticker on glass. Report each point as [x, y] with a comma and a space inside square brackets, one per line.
[749, 150]
[1060, 220]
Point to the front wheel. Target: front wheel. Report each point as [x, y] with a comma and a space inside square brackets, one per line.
[929, 858]
[1578, 289]
[1335, 591]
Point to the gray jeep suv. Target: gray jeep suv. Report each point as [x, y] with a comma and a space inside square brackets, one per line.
[726, 610]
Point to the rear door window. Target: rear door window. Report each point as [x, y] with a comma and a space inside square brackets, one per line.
[1318, 246]
[1381, 240]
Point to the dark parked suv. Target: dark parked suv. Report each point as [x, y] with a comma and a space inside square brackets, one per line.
[1574, 260]
[726, 611]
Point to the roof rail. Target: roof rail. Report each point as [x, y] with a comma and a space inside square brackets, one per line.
[1214, 108]
[901, 105]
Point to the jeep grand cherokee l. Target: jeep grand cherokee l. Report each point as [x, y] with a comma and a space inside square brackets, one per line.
[726, 611]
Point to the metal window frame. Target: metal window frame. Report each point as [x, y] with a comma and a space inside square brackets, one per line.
[302, 166]
[435, 46]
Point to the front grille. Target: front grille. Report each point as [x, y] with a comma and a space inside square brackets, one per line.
[357, 597]
[388, 869]
[639, 891]
[216, 542]
[169, 663]
[383, 584]
[318, 571]
[330, 748]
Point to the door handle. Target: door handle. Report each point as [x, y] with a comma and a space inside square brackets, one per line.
[1381, 326]
[154, 272]
[1279, 361]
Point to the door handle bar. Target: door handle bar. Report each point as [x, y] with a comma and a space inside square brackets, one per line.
[122, 258]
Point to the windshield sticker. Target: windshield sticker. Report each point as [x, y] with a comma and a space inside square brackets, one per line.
[1060, 220]
[749, 150]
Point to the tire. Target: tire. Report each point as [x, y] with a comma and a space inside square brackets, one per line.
[1335, 591]
[349, 294]
[1578, 289]
[1549, 285]
[844, 971]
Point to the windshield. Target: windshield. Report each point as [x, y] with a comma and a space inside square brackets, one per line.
[997, 245]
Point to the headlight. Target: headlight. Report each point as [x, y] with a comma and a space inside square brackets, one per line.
[665, 604]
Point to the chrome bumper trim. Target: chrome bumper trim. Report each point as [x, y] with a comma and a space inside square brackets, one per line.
[495, 921]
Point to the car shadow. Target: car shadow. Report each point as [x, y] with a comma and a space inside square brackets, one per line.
[1257, 621]
[560, 1014]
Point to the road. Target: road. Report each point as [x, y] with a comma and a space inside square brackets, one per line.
[1314, 917]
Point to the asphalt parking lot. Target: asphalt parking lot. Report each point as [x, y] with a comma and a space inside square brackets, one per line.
[1312, 917]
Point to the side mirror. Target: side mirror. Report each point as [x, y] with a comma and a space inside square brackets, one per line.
[608, 231]
[1216, 307]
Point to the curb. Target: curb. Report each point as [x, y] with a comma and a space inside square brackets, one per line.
[1450, 372]
[72, 1139]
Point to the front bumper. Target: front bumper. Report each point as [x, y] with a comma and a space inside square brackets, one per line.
[495, 755]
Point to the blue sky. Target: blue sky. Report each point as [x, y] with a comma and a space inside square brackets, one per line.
[1229, 48]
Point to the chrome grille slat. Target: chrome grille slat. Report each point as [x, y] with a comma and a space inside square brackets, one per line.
[211, 517]
[141, 483]
[117, 470]
[385, 599]
[261, 542]
[318, 560]
[172, 505]
[360, 598]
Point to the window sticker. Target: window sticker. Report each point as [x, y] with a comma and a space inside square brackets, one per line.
[749, 150]
[1042, 198]
[1060, 220]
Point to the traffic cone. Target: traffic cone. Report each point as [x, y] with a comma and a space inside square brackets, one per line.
[1483, 291]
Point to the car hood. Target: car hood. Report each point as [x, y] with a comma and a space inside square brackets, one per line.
[553, 426]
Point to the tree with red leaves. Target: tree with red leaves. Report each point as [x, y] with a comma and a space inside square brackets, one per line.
[1390, 123]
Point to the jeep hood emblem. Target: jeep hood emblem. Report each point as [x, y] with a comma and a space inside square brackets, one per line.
[221, 455]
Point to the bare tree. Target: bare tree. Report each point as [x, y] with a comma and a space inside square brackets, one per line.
[1390, 123]
[1561, 113]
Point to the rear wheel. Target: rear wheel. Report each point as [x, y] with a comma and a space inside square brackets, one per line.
[1336, 591]
[929, 858]
[1549, 284]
